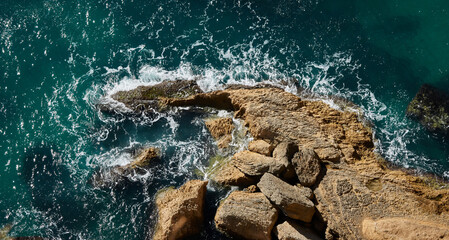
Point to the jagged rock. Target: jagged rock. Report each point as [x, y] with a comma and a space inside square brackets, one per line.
[246, 215]
[404, 228]
[118, 176]
[307, 166]
[221, 129]
[288, 198]
[431, 108]
[229, 175]
[180, 211]
[289, 230]
[254, 164]
[261, 146]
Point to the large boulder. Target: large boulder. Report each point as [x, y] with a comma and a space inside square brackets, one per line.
[403, 228]
[307, 166]
[255, 164]
[289, 230]
[290, 199]
[221, 130]
[431, 108]
[180, 211]
[261, 146]
[246, 215]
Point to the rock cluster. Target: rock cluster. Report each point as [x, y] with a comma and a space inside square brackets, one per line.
[316, 171]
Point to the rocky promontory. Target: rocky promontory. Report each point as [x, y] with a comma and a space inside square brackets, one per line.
[316, 171]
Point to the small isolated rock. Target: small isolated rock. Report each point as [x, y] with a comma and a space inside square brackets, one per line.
[403, 228]
[292, 231]
[290, 199]
[221, 129]
[260, 146]
[145, 158]
[180, 211]
[246, 215]
[307, 166]
[254, 164]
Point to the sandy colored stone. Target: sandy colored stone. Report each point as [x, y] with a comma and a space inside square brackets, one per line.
[246, 215]
[403, 228]
[229, 175]
[261, 146]
[180, 211]
[221, 130]
[255, 164]
[307, 166]
[288, 198]
[289, 230]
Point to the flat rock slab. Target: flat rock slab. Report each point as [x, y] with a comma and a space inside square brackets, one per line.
[180, 211]
[261, 146]
[307, 166]
[246, 215]
[289, 230]
[229, 175]
[255, 164]
[290, 199]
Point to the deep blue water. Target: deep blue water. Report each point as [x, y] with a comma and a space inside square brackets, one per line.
[58, 58]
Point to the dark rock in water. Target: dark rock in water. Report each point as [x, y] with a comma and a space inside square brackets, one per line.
[431, 108]
[118, 176]
[181, 211]
[145, 98]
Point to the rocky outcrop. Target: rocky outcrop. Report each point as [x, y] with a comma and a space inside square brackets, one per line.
[261, 146]
[403, 228]
[289, 230]
[246, 215]
[118, 176]
[180, 211]
[288, 198]
[221, 130]
[430, 107]
[307, 166]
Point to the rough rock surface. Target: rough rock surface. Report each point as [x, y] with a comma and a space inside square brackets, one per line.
[255, 164]
[403, 228]
[118, 176]
[180, 211]
[221, 129]
[289, 230]
[307, 166]
[288, 198]
[229, 175]
[261, 146]
[246, 215]
[431, 108]
[356, 185]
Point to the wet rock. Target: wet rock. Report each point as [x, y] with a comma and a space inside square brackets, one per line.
[404, 228]
[119, 176]
[254, 164]
[289, 230]
[246, 215]
[288, 198]
[180, 211]
[431, 108]
[261, 146]
[221, 129]
[307, 166]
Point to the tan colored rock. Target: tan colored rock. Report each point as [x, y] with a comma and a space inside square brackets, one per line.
[254, 164]
[221, 129]
[284, 152]
[289, 230]
[229, 175]
[403, 228]
[145, 158]
[246, 215]
[288, 198]
[307, 166]
[180, 211]
[261, 146]
[305, 191]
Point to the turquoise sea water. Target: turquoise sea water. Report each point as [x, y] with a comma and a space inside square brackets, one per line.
[58, 58]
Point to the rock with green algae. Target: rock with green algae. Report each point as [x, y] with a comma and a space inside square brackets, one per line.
[431, 108]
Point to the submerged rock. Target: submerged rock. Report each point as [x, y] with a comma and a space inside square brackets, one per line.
[289, 230]
[431, 108]
[118, 176]
[221, 129]
[290, 199]
[180, 211]
[246, 215]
